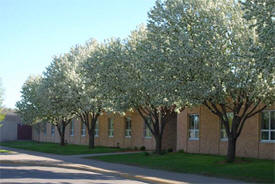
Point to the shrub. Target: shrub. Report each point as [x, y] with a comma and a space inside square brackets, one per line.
[170, 150]
[142, 148]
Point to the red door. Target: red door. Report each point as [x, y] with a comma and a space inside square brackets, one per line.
[24, 132]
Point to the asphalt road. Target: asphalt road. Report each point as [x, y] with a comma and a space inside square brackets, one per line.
[22, 166]
[13, 173]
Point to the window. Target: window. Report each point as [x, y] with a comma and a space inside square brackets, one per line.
[96, 128]
[45, 128]
[111, 127]
[72, 128]
[128, 124]
[223, 131]
[83, 129]
[268, 126]
[52, 130]
[193, 126]
[147, 131]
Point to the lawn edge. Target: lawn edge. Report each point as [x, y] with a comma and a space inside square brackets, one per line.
[245, 179]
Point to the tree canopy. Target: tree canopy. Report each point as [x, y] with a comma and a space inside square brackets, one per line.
[212, 52]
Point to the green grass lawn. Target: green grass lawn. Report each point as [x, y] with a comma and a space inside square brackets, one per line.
[247, 169]
[4, 151]
[69, 149]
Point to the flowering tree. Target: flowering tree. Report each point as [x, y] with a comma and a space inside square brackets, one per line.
[55, 94]
[133, 76]
[261, 14]
[214, 38]
[29, 107]
[86, 97]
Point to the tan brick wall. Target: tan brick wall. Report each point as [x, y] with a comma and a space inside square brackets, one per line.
[136, 140]
[248, 144]
[267, 150]
[169, 139]
[209, 132]
[175, 135]
[35, 134]
[182, 134]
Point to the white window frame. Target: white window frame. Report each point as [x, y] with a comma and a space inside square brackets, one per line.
[72, 128]
[194, 130]
[52, 130]
[110, 127]
[128, 130]
[147, 131]
[97, 128]
[267, 130]
[83, 130]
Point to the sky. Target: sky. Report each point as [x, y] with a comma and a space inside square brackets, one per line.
[33, 31]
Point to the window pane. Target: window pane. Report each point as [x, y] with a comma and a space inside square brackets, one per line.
[45, 128]
[272, 114]
[191, 122]
[196, 120]
[265, 120]
[128, 123]
[223, 134]
[110, 123]
[230, 118]
[83, 129]
[273, 136]
[196, 134]
[191, 134]
[147, 132]
[96, 124]
[52, 129]
[264, 135]
[192, 126]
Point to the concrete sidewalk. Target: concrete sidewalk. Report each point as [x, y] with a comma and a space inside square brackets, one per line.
[125, 171]
[102, 154]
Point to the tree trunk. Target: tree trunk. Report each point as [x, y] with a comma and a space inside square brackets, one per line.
[158, 148]
[91, 139]
[61, 131]
[62, 139]
[231, 150]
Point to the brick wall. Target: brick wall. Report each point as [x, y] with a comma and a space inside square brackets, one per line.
[175, 135]
[119, 139]
[248, 144]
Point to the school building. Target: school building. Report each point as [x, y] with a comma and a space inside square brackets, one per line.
[194, 130]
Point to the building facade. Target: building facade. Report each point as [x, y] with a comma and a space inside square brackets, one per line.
[8, 127]
[194, 130]
[12, 128]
